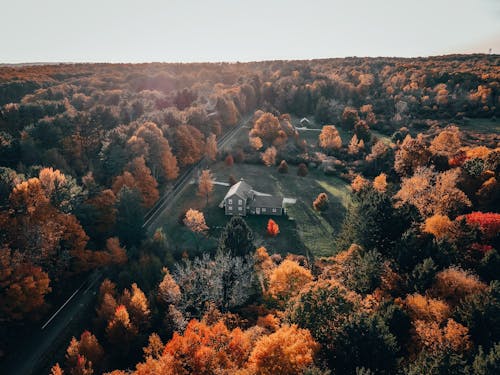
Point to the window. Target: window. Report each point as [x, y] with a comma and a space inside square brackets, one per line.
[274, 210]
[240, 208]
[264, 209]
[240, 202]
[230, 208]
[230, 201]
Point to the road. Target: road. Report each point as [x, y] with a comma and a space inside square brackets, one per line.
[38, 353]
[173, 193]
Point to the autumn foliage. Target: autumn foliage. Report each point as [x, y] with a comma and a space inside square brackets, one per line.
[272, 228]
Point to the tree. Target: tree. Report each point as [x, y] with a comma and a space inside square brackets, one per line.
[362, 130]
[169, 164]
[189, 144]
[321, 202]
[206, 349]
[117, 253]
[413, 153]
[452, 337]
[272, 228]
[22, 286]
[205, 184]
[56, 370]
[433, 193]
[364, 341]
[322, 307]
[283, 167]
[355, 145]
[488, 222]
[155, 347]
[427, 309]
[287, 280]
[195, 221]
[224, 280]
[85, 353]
[438, 225]
[372, 222]
[302, 171]
[361, 271]
[169, 292]
[229, 160]
[380, 183]
[138, 308]
[329, 138]
[256, 143]
[447, 142]
[146, 183]
[288, 351]
[349, 117]
[237, 238]
[480, 312]
[120, 332]
[269, 156]
[454, 284]
[268, 128]
[138, 176]
[211, 147]
[487, 363]
[130, 217]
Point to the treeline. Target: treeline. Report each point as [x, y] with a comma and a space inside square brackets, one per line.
[86, 150]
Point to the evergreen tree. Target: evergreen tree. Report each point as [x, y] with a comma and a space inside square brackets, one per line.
[237, 238]
[130, 217]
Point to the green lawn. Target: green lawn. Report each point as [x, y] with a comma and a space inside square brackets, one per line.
[303, 230]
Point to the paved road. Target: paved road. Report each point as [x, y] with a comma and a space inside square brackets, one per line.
[39, 351]
[166, 201]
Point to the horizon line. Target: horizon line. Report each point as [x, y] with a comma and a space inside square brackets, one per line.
[68, 62]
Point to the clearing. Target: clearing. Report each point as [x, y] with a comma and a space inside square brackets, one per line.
[303, 231]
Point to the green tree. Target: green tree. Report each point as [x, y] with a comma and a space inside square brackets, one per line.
[237, 238]
[487, 363]
[130, 217]
[365, 340]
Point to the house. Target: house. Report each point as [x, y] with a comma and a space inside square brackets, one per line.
[242, 200]
[305, 123]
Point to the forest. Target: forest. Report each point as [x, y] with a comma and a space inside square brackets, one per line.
[408, 283]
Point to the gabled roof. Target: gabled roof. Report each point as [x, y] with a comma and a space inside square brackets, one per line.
[266, 201]
[241, 189]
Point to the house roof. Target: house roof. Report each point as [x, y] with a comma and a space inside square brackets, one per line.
[266, 201]
[241, 189]
[305, 119]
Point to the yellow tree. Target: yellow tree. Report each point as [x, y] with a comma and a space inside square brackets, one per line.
[269, 156]
[205, 184]
[447, 142]
[288, 351]
[329, 138]
[380, 182]
[195, 221]
[255, 142]
[287, 280]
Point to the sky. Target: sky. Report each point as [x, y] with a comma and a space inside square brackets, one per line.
[240, 30]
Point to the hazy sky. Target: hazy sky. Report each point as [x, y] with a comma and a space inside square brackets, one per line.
[237, 30]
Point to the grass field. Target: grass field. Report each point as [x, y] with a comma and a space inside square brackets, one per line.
[303, 230]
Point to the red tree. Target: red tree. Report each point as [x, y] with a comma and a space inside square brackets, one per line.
[272, 228]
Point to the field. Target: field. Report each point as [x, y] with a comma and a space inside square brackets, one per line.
[303, 231]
